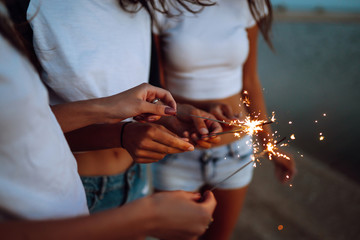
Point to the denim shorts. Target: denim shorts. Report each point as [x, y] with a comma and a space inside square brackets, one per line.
[106, 192]
[190, 171]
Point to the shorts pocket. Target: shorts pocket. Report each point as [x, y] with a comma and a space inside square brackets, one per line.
[92, 200]
[92, 190]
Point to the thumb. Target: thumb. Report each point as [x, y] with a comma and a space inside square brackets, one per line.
[157, 109]
[209, 200]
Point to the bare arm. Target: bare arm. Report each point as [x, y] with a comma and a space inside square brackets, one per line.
[284, 168]
[172, 215]
[252, 84]
[115, 108]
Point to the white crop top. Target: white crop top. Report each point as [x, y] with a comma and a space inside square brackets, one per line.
[203, 54]
[90, 48]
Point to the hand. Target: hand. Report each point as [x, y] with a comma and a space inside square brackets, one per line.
[285, 169]
[197, 129]
[180, 216]
[136, 101]
[149, 142]
[222, 111]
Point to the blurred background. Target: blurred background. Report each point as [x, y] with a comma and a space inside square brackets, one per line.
[311, 80]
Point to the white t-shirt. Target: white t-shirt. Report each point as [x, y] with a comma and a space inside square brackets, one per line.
[38, 173]
[90, 48]
[204, 53]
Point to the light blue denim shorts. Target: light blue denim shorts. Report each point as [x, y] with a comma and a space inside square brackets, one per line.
[190, 171]
[106, 192]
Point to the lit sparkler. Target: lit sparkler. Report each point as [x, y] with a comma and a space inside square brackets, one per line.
[270, 148]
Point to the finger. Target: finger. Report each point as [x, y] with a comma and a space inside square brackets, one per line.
[203, 144]
[165, 141]
[151, 154]
[164, 96]
[209, 200]
[152, 118]
[219, 114]
[157, 109]
[146, 160]
[199, 123]
[191, 195]
[214, 127]
[155, 150]
[227, 110]
[214, 139]
[147, 117]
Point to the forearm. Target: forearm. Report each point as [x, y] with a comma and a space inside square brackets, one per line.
[75, 115]
[252, 85]
[95, 137]
[257, 106]
[128, 222]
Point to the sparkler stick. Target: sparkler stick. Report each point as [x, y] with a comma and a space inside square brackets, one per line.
[211, 119]
[232, 174]
[216, 185]
[225, 132]
[238, 130]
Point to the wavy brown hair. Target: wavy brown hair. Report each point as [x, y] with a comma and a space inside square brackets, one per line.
[163, 6]
[11, 34]
[257, 9]
[17, 30]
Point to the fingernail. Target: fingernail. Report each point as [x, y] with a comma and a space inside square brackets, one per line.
[203, 131]
[152, 118]
[170, 111]
[191, 148]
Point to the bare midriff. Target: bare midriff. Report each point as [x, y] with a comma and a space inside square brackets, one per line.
[233, 101]
[103, 162]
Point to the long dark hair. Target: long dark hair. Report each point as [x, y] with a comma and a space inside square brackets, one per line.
[263, 22]
[17, 30]
[163, 6]
[8, 31]
[257, 8]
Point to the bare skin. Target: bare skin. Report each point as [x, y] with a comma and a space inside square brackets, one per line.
[173, 216]
[143, 142]
[226, 213]
[231, 201]
[93, 135]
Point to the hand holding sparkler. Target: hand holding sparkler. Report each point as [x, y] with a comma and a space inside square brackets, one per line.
[190, 122]
[149, 142]
[139, 102]
[180, 215]
[198, 125]
[283, 162]
[284, 166]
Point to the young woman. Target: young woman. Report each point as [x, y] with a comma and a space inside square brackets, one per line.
[209, 60]
[39, 183]
[92, 49]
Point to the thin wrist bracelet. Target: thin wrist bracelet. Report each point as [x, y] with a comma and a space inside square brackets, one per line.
[122, 133]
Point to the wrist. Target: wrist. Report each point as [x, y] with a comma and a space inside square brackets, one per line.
[107, 112]
[122, 133]
[98, 111]
[150, 216]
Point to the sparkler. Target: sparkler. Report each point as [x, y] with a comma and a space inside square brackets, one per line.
[250, 127]
[270, 148]
[232, 174]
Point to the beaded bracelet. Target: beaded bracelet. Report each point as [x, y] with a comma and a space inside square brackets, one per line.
[122, 133]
